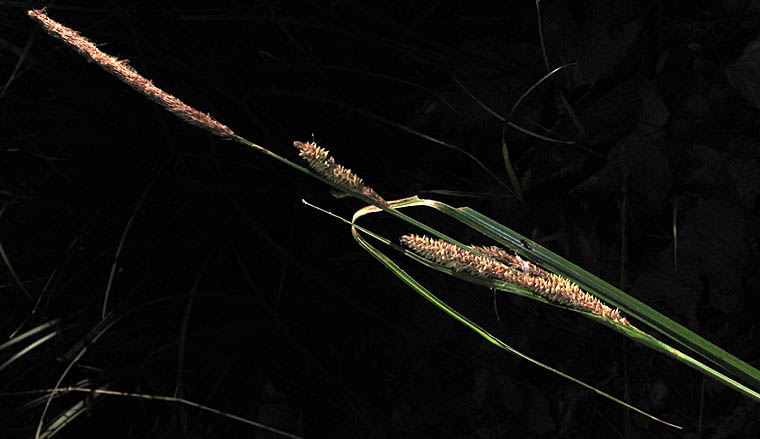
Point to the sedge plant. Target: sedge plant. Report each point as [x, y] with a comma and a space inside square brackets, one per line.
[517, 265]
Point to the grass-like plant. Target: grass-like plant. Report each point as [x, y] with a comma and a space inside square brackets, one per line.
[520, 266]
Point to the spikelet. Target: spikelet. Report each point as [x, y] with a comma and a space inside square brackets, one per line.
[499, 264]
[320, 161]
[514, 261]
[129, 76]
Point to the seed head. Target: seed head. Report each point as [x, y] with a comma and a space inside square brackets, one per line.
[320, 161]
[499, 264]
[128, 75]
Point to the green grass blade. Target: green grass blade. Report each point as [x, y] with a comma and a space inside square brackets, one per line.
[424, 292]
[538, 254]
[511, 171]
[610, 294]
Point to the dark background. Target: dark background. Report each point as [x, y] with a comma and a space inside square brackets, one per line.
[231, 293]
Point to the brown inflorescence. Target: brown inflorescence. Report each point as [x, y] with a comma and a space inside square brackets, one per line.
[320, 161]
[497, 263]
[128, 75]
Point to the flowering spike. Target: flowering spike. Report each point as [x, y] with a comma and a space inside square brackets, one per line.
[320, 161]
[496, 263]
[128, 75]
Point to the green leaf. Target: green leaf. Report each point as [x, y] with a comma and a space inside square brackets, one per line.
[749, 376]
[424, 292]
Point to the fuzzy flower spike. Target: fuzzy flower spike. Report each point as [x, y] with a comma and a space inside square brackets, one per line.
[129, 76]
[320, 161]
[499, 264]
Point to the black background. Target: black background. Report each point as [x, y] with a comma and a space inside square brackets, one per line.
[231, 293]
